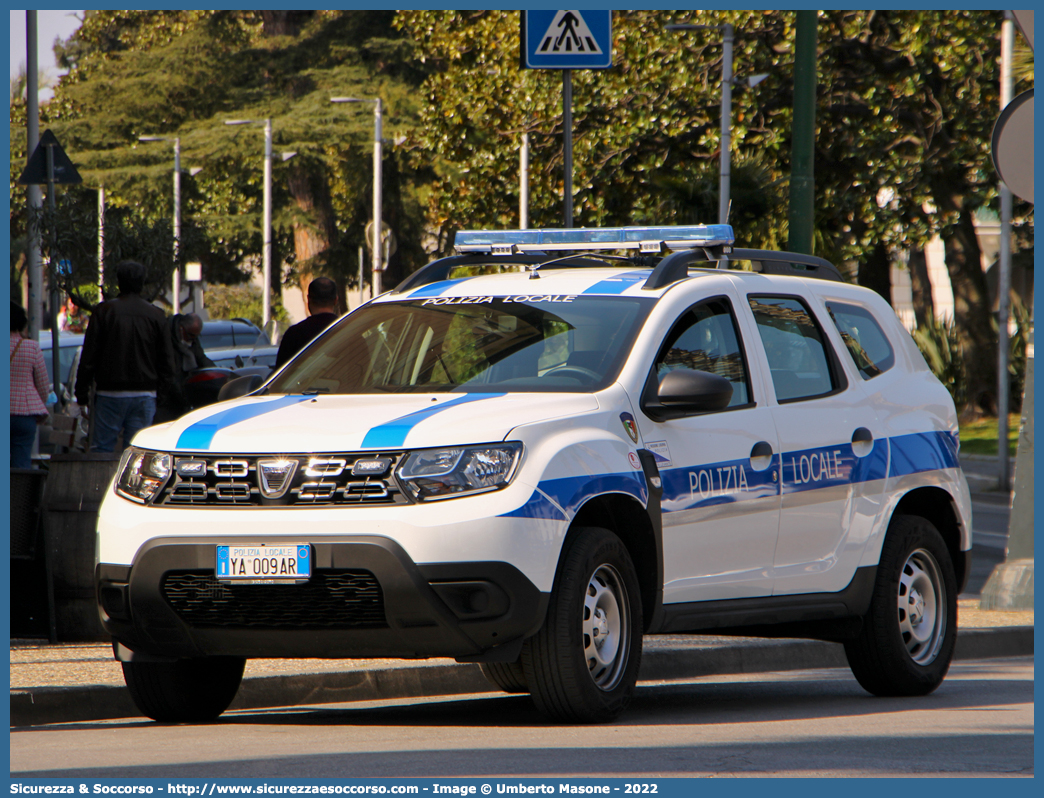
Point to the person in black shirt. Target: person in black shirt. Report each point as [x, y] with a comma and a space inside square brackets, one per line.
[322, 307]
[173, 401]
[126, 357]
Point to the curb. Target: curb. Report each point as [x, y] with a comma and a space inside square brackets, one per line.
[664, 658]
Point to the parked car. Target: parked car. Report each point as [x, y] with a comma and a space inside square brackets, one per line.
[532, 469]
[241, 357]
[69, 347]
[231, 334]
[203, 386]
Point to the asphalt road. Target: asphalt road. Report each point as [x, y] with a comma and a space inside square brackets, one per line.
[803, 723]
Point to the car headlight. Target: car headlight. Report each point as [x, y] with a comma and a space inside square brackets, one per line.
[432, 474]
[142, 474]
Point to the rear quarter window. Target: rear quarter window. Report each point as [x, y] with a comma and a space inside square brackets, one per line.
[864, 339]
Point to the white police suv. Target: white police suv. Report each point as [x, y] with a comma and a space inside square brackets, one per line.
[532, 453]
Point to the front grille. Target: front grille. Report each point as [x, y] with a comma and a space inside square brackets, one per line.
[332, 599]
[301, 480]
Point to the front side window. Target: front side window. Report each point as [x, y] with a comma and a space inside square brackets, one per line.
[471, 344]
[796, 349]
[865, 340]
[705, 339]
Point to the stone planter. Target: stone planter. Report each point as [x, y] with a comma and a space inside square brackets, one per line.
[29, 615]
[76, 484]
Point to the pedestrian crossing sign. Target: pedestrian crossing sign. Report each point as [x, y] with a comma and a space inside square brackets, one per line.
[567, 39]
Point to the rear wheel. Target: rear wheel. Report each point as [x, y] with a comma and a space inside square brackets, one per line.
[185, 691]
[582, 665]
[908, 636]
[506, 676]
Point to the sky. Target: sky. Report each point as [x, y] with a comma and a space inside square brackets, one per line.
[50, 24]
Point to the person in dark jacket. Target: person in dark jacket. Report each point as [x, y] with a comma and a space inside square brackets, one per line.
[322, 307]
[188, 356]
[126, 357]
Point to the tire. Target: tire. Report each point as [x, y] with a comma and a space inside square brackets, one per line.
[506, 676]
[186, 691]
[582, 665]
[908, 636]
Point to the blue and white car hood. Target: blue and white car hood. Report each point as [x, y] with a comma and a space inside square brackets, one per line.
[296, 423]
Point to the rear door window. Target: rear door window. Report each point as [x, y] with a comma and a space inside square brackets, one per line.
[865, 340]
[797, 352]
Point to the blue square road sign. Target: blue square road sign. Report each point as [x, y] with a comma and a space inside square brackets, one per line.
[567, 39]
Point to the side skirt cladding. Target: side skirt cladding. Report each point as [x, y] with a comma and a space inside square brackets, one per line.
[835, 617]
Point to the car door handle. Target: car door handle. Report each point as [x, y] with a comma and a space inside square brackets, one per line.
[862, 435]
[862, 442]
[761, 449]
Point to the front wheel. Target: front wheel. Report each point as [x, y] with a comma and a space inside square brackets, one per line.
[185, 691]
[908, 636]
[506, 676]
[582, 666]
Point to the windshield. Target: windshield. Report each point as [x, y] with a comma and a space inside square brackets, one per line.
[471, 344]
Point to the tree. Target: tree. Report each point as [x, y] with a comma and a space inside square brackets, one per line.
[902, 148]
[649, 123]
[69, 242]
[184, 73]
[902, 141]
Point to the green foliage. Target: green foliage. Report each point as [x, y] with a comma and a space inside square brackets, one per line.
[902, 118]
[241, 302]
[900, 102]
[980, 436]
[940, 344]
[69, 234]
[644, 131]
[184, 73]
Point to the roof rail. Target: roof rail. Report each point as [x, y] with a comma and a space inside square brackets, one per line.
[772, 262]
[645, 239]
[676, 266]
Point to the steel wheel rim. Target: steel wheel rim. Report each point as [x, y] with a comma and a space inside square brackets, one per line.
[921, 607]
[606, 627]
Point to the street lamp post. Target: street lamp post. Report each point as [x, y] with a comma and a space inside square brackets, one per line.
[176, 280]
[101, 244]
[266, 224]
[727, 79]
[377, 260]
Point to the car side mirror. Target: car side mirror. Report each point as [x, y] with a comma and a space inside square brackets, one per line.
[683, 392]
[239, 361]
[240, 386]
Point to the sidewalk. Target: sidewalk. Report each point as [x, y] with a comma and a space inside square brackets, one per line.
[983, 474]
[82, 682]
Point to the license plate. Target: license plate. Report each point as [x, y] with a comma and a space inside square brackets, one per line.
[272, 563]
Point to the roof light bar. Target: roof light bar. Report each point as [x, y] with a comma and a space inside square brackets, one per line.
[645, 239]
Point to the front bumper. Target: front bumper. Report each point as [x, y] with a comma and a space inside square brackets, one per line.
[367, 598]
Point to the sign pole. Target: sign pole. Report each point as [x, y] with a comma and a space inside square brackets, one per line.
[56, 373]
[567, 133]
[565, 40]
[101, 244]
[523, 193]
[802, 160]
